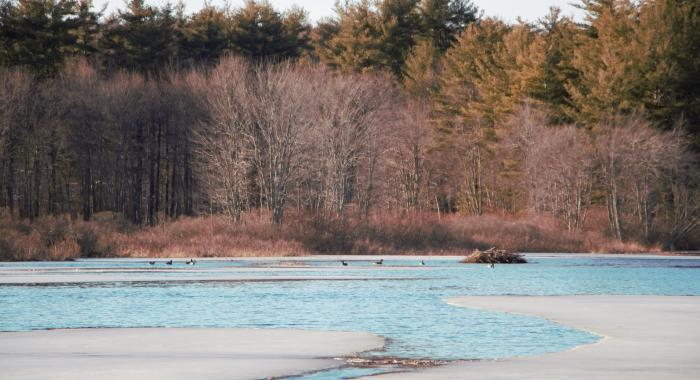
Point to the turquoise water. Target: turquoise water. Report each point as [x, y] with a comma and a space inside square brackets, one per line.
[401, 301]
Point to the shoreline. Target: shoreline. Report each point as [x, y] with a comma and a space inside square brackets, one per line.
[641, 337]
[176, 353]
[330, 258]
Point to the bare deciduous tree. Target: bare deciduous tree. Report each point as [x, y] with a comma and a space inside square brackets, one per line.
[559, 170]
[635, 160]
[408, 154]
[683, 203]
[281, 116]
[222, 146]
[350, 111]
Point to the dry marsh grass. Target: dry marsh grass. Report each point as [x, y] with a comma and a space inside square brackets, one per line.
[53, 238]
[210, 237]
[109, 235]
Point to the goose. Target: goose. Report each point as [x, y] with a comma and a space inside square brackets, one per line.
[422, 263]
[169, 262]
[345, 263]
[380, 262]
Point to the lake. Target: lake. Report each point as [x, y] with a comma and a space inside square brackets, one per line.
[400, 300]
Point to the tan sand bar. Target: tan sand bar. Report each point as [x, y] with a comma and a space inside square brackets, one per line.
[645, 337]
[174, 353]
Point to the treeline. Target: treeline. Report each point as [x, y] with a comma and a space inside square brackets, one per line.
[43, 34]
[389, 105]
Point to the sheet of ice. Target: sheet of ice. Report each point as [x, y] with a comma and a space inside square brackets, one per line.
[174, 353]
[645, 337]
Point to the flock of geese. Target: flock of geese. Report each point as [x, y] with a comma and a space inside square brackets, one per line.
[342, 262]
[170, 262]
[378, 262]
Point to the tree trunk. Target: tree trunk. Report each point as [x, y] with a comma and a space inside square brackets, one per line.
[85, 192]
[52, 180]
[614, 207]
[10, 185]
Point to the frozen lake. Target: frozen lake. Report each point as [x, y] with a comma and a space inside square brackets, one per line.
[400, 300]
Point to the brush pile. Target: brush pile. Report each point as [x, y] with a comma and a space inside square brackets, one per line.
[494, 256]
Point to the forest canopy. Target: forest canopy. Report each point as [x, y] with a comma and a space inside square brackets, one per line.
[389, 105]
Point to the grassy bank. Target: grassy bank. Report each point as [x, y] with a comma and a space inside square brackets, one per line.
[108, 235]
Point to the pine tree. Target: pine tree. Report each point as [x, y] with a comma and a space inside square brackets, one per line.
[669, 31]
[139, 39]
[204, 37]
[369, 36]
[558, 35]
[40, 33]
[261, 32]
[87, 30]
[356, 46]
[422, 70]
[399, 23]
[322, 35]
[443, 20]
[522, 61]
[607, 59]
[491, 69]
[6, 33]
[638, 57]
[298, 32]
